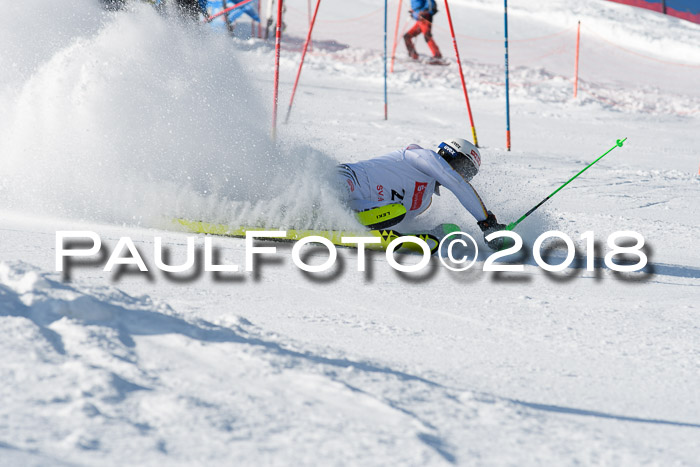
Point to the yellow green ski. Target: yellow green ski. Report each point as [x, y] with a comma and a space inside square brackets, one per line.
[432, 238]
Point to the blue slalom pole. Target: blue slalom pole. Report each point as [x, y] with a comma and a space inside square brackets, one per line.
[505, 22]
[386, 102]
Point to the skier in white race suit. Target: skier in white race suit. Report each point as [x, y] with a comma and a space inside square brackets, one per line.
[400, 185]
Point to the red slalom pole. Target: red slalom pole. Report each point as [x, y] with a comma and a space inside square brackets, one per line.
[226, 10]
[461, 73]
[308, 7]
[578, 42]
[396, 36]
[278, 41]
[301, 64]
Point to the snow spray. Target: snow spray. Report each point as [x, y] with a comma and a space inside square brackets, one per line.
[127, 117]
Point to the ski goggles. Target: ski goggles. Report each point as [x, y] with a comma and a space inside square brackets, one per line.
[460, 163]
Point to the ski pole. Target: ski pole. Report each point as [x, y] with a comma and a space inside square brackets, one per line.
[512, 225]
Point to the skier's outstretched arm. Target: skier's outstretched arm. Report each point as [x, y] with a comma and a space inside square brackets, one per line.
[463, 190]
[426, 162]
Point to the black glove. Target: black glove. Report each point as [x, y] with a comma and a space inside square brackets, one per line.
[489, 226]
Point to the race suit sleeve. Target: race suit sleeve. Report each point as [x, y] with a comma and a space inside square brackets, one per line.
[434, 166]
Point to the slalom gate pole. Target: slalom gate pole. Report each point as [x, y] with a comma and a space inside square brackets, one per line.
[308, 8]
[396, 36]
[259, 22]
[226, 10]
[512, 225]
[578, 43]
[301, 64]
[386, 101]
[224, 5]
[505, 23]
[461, 73]
[278, 41]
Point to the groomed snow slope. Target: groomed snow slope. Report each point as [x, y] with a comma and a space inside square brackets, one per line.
[116, 120]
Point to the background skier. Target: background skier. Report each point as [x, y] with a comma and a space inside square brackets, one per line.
[192, 8]
[422, 11]
[400, 185]
[249, 9]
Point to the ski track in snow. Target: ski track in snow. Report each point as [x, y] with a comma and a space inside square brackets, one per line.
[114, 362]
[280, 367]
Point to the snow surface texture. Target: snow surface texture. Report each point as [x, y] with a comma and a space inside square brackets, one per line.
[112, 122]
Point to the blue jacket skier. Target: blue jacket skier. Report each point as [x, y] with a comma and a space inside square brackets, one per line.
[420, 6]
[249, 9]
[422, 11]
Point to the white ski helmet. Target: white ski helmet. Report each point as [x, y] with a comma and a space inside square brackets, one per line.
[462, 156]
